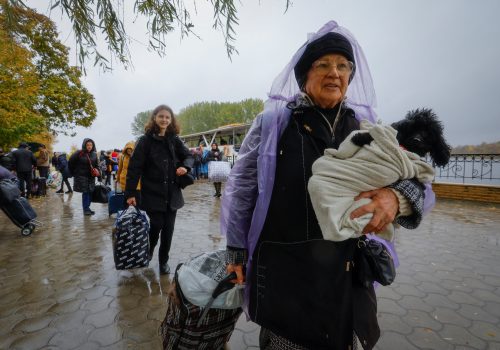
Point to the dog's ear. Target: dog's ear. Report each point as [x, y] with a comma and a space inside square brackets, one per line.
[440, 151]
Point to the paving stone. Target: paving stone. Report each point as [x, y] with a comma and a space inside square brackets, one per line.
[66, 270]
[72, 339]
[437, 300]
[34, 324]
[394, 323]
[411, 302]
[460, 337]
[66, 306]
[450, 316]
[107, 335]
[391, 340]
[35, 340]
[69, 321]
[102, 318]
[486, 331]
[425, 338]
[476, 313]
[464, 298]
[390, 305]
[419, 319]
[427, 287]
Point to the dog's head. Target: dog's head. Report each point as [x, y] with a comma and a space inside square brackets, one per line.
[421, 132]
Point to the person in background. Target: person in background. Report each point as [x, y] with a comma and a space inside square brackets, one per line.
[196, 171]
[309, 110]
[110, 163]
[23, 162]
[123, 164]
[43, 162]
[215, 155]
[115, 154]
[159, 158]
[80, 164]
[62, 167]
[204, 163]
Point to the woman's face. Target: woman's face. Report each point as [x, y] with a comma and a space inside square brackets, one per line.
[328, 79]
[89, 146]
[214, 146]
[129, 151]
[163, 119]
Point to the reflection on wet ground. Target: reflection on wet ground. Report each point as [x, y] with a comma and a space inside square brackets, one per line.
[59, 288]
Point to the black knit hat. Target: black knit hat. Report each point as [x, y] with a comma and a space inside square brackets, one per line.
[327, 44]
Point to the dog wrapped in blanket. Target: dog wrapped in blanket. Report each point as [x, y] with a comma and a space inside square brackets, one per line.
[373, 157]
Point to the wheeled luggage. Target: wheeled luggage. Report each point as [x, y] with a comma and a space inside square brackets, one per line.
[116, 202]
[188, 326]
[131, 239]
[22, 214]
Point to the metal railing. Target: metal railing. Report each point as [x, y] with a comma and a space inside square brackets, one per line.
[470, 168]
[462, 168]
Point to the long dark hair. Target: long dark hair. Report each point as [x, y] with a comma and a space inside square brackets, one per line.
[152, 128]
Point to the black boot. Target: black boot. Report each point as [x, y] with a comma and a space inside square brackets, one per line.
[164, 269]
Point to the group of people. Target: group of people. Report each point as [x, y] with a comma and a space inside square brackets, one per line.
[203, 155]
[315, 103]
[24, 164]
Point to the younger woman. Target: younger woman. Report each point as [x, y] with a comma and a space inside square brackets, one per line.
[158, 159]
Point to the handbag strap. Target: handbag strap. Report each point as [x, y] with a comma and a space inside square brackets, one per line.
[90, 163]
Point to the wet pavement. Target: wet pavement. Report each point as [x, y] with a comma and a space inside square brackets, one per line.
[59, 288]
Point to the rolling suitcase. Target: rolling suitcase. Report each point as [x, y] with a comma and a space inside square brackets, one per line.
[116, 202]
[187, 326]
[22, 214]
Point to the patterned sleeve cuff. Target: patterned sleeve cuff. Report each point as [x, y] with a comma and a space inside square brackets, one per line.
[236, 256]
[413, 191]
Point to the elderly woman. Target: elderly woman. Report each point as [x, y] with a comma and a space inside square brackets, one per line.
[299, 286]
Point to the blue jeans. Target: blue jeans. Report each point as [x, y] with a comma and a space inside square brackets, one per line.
[86, 196]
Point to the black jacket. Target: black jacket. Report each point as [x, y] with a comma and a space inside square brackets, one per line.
[214, 155]
[23, 160]
[154, 162]
[291, 217]
[79, 167]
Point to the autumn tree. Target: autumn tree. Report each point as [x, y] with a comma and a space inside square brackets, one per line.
[18, 93]
[91, 19]
[62, 100]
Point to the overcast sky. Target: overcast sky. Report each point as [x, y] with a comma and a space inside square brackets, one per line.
[442, 54]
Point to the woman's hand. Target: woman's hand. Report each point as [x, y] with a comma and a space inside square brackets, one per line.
[181, 171]
[240, 276]
[384, 206]
[131, 201]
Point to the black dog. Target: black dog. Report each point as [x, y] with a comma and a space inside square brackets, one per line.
[419, 132]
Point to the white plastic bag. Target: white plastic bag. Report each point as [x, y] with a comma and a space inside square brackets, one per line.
[198, 278]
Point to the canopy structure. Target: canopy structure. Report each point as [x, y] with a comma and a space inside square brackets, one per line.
[231, 134]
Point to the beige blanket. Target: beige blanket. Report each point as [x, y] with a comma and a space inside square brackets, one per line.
[342, 174]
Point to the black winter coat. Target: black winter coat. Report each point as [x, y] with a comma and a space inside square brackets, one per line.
[154, 162]
[214, 155]
[79, 167]
[23, 160]
[291, 218]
